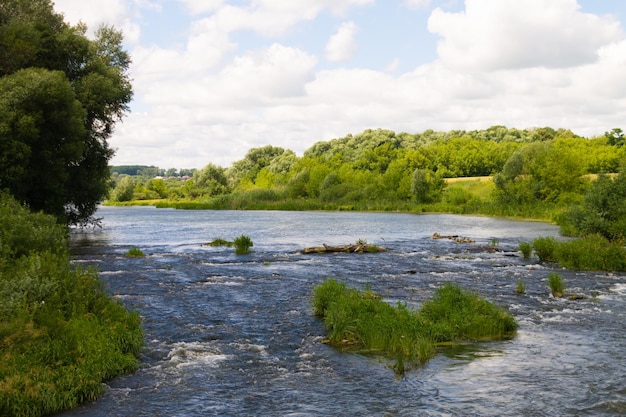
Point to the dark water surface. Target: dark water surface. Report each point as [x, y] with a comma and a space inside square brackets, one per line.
[234, 335]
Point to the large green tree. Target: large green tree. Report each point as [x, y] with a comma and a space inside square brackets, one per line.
[61, 94]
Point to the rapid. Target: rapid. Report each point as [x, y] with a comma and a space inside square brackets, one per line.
[234, 335]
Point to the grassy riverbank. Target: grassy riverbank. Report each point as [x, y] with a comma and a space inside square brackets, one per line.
[61, 335]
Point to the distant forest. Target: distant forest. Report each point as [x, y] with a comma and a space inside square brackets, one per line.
[383, 170]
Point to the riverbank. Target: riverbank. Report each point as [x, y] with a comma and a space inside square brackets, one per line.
[61, 335]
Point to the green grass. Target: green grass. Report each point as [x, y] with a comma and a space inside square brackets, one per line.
[526, 249]
[556, 285]
[243, 244]
[592, 253]
[521, 287]
[134, 253]
[61, 335]
[360, 321]
[545, 248]
[220, 242]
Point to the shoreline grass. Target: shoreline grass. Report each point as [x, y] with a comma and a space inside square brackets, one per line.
[61, 335]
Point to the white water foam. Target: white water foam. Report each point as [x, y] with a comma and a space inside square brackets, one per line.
[186, 354]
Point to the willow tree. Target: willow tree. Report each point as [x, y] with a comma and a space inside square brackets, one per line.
[61, 94]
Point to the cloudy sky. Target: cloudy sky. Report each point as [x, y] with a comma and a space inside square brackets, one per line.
[215, 78]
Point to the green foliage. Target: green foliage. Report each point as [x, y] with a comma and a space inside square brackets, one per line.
[603, 210]
[426, 186]
[124, 190]
[535, 173]
[615, 137]
[556, 284]
[545, 248]
[459, 314]
[521, 287]
[592, 253]
[135, 253]
[60, 97]
[220, 242]
[360, 321]
[61, 336]
[243, 244]
[526, 249]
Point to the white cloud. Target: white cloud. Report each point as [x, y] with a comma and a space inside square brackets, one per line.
[416, 4]
[117, 13]
[341, 46]
[211, 97]
[503, 34]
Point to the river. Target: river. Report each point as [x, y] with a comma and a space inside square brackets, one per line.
[234, 335]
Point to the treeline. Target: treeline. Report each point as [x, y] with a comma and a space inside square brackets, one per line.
[382, 170]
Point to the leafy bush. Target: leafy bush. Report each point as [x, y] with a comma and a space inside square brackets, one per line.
[361, 321]
[243, 244]
[603, 210]
[526, 249]
[592, 253]
[545, 248]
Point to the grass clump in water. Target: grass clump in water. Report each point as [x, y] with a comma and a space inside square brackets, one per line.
[556, 284]
[135, 253]
[521, 287]
[526, 249]
[220, 242]
[243, 244]
[361, 321]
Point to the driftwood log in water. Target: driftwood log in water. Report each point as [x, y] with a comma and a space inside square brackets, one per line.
[455, 238]
[355, 248]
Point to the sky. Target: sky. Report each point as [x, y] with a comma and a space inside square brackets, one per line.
[213, 79]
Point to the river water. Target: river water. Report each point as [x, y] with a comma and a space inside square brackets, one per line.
[234, 335]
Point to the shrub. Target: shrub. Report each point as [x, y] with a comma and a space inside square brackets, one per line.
[555, 282]
[592, 253]
[545, 248]
[243, 244]
[526, 249]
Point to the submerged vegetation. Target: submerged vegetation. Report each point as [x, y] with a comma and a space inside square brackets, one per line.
[360, 321]
[61, 335]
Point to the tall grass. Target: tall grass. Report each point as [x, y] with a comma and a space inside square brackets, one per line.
[61, 335]
[360, 321]
[243, 244]
[593, 253]
[556, 284]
